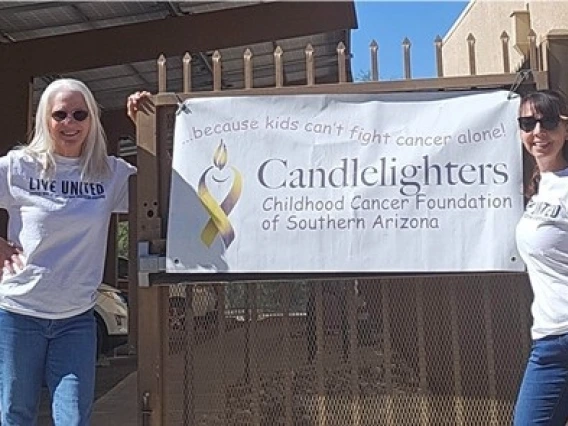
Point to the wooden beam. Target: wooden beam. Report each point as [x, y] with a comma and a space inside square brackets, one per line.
[15, 109]
[201, 32]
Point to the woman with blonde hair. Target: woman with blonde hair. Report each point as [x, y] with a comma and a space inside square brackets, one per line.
[59, 191]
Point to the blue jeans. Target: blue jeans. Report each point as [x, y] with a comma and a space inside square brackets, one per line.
[61, 353]
[543, 397]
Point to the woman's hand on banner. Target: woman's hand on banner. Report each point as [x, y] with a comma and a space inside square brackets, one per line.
[139, 101]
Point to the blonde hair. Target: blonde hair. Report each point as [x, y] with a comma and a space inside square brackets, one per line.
[93, 159]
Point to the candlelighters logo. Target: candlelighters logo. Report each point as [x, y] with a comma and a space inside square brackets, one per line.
[220, 176]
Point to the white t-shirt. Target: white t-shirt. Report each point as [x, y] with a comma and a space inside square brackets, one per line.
[542, 240]
[62, 225]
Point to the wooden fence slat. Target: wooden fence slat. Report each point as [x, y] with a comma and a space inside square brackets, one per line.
[247, 57]
[186, 73]
[374, 48]
[278, 67]
[533, 57]
[216, 71]
[310, 65]
[439, 59]
[505, 48]
[471, 54]
[161, 74]
[406, 58]
[341, 63]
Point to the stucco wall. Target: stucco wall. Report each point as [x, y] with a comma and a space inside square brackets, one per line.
[486, 20]
[548, 15]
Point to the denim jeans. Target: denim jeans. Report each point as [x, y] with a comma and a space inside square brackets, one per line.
[61, 353]
[543, 397]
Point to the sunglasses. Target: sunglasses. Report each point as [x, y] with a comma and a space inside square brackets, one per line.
[79, 115]
[527, 124]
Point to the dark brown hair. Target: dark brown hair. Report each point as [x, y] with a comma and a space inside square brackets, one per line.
[547, 103]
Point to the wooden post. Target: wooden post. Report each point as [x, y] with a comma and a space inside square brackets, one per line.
[150, 313]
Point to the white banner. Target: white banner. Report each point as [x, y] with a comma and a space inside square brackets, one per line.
[322, 183]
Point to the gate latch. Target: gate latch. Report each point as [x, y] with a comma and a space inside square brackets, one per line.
[148, 263]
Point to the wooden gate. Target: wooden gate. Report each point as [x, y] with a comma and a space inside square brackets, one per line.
[358, 350]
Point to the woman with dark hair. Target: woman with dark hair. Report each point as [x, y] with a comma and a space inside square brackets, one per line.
[59, 191]
[542, 239]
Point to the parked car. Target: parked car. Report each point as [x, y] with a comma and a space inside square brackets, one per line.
[111, 313]
[204, 306]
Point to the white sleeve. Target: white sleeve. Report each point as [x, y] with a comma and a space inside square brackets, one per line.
[123, 171]
[5, 193]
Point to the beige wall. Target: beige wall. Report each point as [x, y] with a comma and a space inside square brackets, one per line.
[486, 20]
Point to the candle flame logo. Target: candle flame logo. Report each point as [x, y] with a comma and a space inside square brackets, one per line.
[219, 223]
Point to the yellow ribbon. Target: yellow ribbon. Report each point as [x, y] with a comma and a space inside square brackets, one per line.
[218, 222]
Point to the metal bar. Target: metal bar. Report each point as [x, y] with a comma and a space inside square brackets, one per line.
[456, 358]
[287, 353]
[353, 353]
[220, 291]
[490, 348]
[254, 350]
[387, 349]
[419, 284]
[320, 372]
[188, 391]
